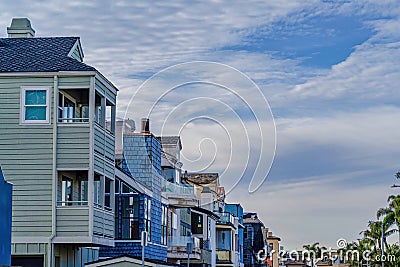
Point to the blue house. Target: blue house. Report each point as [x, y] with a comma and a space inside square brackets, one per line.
[237, 211]
[5, 221]
[139, 208]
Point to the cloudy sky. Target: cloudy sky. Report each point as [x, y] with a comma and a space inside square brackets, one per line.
[326, 71]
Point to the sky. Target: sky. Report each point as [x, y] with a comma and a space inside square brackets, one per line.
[302, 93]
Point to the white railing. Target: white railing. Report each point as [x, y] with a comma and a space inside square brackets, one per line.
[182, 241]
[179, 189]
[73, 120]
[72, 203]
[225, 217]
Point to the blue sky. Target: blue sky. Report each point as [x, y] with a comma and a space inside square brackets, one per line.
[329, 70]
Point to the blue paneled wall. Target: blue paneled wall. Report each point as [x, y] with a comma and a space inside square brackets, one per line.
[5, 221]
[237, 211]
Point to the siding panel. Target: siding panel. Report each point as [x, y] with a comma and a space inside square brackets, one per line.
[26, 159]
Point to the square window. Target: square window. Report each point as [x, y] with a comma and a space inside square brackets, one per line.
[35, 105]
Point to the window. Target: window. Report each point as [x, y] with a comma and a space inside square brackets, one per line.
[127, 220]
[147, 217]
[66, 109]
[174, 221]
[169, 175]
[197, 223]
[35, 105]
[66, 191]
[97, 190]
[107, 196]
[84, 191]
[164, 225]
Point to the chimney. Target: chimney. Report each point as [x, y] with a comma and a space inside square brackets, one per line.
[20, 28]
[145, 125]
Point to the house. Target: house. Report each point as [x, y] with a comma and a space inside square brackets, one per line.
[55, 148]
[273, 247]
[181, 200]
[253, 238]
[5, 221]
[204, 219]
[228, 219]
[237, 211]
[139, 204]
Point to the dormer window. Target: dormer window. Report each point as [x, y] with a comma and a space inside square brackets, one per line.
[35, 105]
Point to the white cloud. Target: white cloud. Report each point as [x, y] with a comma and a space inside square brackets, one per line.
[317, 210]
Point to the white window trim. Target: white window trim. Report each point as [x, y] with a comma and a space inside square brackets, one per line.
[22, 106]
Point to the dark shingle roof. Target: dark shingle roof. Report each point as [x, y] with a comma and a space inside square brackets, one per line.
[202, 178]
[39, 55]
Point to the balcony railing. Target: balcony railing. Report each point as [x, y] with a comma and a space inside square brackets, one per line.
[73, 120]
[224, 256]
[225, 218]
[182, 241]
[179, 189]
[72, 203]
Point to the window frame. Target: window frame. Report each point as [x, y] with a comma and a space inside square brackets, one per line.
[23, 91]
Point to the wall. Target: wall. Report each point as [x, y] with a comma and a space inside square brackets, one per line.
[142, 154]
[5, 221]
[237, 211]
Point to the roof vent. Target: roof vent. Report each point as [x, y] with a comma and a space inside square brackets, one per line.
[20, 28]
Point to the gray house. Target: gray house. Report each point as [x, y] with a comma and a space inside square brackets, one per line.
[56, 149]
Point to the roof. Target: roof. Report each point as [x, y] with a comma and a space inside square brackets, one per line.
[126, 258]
[170, 140]
[39, 55]
[202, 178]
[206, 211]
[251, 217]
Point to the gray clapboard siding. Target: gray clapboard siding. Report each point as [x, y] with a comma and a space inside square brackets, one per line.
[73, 146]
[74, 81]
[103, 223]
[72, 221]
[100, 87]
[26, 158]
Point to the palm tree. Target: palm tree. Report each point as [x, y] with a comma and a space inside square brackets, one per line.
[391, 214]
[314, 249]
[392, 255]
[373, 235]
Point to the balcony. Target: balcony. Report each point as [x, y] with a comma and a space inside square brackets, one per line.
[225, 218]
[224, 256]
[80, 218]
[72, 224]
[179, 195]
[177, 246]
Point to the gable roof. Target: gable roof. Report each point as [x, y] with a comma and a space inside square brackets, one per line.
[170, 140]
[202, 178]
[39, 55]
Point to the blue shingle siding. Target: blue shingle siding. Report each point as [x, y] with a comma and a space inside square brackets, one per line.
[135, 249]
[39, 55]
[142, 161]
[154, 250]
